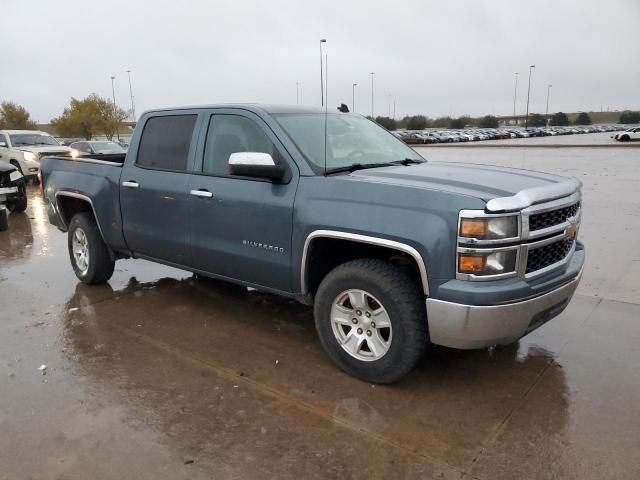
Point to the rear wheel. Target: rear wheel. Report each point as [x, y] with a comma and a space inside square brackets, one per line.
[89, 254]
[371, 320]
[625, 138]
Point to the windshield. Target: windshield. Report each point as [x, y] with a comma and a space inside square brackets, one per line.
[28, 139]
[351, 139]
[107, 147]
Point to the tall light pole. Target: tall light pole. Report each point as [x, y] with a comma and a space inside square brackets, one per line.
[324, 40]
[372, 74]
[133, 105]
[297, 93]
[526, 118]
[515, 92]
[547, 114]
[353, 97]
[113, 91]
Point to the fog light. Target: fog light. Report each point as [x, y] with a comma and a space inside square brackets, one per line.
[471, 263]
[496, 263]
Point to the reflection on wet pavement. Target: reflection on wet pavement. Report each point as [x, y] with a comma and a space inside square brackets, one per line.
[160, 374]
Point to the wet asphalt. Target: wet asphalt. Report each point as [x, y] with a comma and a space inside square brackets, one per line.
[160, 374]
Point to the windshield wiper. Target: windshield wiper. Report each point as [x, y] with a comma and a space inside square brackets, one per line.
[408, 161]
[361, 166]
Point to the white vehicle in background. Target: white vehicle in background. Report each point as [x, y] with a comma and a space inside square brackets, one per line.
[25, 148]
[632, 133]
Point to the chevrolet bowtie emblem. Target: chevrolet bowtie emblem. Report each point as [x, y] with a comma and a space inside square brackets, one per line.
[571, 230]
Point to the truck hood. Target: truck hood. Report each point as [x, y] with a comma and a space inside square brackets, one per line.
[486, 182]
[43, 148]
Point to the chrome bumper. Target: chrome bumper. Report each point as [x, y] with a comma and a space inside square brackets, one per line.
[470, 326]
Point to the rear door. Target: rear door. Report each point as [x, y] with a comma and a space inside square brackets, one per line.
[242, 228]
[154, 192]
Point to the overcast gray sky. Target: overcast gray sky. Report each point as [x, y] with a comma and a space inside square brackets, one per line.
[432, 57]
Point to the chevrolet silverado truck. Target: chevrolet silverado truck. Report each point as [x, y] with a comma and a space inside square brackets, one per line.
[24, 149]
[394, 252]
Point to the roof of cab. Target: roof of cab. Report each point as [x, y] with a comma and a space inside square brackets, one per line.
[255, 107]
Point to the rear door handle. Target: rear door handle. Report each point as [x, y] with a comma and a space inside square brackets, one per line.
[131, 184]
[201, 193]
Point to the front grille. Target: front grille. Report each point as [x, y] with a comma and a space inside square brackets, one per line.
[548, 255]
[553, 217]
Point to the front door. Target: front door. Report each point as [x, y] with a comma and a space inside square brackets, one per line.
[154, 190]
[241, 227]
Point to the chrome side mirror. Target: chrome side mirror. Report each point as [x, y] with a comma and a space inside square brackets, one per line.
[255, 164]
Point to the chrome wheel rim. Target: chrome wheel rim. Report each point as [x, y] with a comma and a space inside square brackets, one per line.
[80, 248]
[361, 325]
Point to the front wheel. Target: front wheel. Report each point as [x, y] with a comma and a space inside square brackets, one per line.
[4, 219]
[18, 204]
[89, 254]
[371, 319]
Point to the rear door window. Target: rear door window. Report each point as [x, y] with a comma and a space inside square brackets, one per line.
[165, 142]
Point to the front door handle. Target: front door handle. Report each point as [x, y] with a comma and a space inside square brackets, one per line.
[131, 184]
[201, 193]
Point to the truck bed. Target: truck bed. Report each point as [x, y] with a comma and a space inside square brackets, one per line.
[111, 158]
[96, 179]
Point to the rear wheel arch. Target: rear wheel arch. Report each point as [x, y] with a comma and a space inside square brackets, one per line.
[70, 203]
[324, 250]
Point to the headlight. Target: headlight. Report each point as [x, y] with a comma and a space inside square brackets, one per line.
[489, 228]
[29, 156]
[495, 263]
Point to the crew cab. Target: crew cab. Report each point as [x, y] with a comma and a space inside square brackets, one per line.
[393, 252]
[24, 148]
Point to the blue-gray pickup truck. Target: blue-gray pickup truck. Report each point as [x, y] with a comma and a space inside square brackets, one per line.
[393, 252]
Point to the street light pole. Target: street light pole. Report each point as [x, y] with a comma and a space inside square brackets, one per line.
[113, 91]
[372, 115]
[133, 105]
[515, 92]
[297, 94]
[353, 97]
[321, 76]
[526, 118]
[547, 114]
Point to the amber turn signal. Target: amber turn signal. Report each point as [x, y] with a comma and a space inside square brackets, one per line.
[473, 227]
[471, 263]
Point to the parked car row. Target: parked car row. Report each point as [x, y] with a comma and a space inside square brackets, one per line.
[477, 134]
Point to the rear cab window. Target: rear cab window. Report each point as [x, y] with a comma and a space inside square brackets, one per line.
[165, 142]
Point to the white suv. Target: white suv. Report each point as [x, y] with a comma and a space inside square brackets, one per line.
[24, 148]
[632, 133]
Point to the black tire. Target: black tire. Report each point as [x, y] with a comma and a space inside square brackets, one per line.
[404, 302]
[625, 138]
[99, 265]
[19, 205]
[4, 220]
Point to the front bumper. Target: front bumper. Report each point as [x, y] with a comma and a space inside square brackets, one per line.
[471, 326]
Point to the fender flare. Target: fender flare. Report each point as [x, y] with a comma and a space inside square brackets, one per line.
[354, 237]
